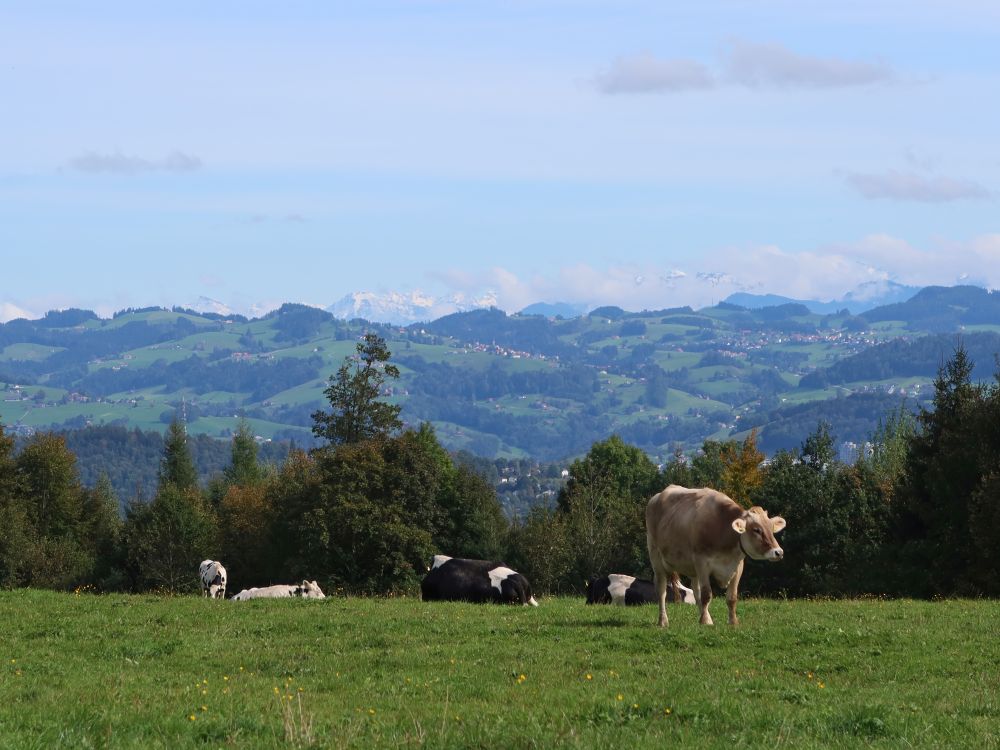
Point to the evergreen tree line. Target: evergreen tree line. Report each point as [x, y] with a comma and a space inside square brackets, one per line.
[365, 512]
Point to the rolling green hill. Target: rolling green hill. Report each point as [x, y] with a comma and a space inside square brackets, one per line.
[501, 385]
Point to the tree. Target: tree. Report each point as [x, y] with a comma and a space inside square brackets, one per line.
[947, 484]
[246, 530]
[167, 538]
[602, 508]
[101, 529]
[353, 393]
[244, 469]
[16, 535]
[51, 485]
[177, 467]
[741, 469]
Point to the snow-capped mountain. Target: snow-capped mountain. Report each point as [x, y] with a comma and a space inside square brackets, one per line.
[208, 305]
[403, 308]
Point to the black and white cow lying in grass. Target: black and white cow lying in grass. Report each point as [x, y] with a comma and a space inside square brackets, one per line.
[213, 579]
[479, 581]
[617, 588]
[304, 590]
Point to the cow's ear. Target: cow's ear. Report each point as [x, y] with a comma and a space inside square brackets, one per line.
[305, 584]
[740, 525]
[777, 524]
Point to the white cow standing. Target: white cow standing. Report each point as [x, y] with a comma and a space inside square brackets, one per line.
[213, 579]
[304, 590]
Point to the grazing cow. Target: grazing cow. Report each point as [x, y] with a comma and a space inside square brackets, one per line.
[455, 579]
[702, 534]
[304, 590]
[213, 579]
[617, 588]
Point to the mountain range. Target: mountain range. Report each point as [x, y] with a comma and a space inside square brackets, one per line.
[406, 308]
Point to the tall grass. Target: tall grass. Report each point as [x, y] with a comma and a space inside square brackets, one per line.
[179, 672]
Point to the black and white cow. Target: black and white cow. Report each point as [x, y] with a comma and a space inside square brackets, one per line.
[479, 581]
[213, 579]
[617, 588]
[304, 590]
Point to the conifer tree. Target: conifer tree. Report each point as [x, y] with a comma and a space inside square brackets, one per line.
[353, 393]
[177, 468]
[244, 469]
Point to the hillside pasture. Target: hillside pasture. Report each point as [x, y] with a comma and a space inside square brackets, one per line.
[185, 672]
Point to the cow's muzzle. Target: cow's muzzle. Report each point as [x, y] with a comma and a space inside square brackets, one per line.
[775, 554]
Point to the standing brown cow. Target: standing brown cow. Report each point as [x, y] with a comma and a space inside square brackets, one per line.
[703, 534]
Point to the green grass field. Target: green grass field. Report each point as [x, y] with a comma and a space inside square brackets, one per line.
[179, 672]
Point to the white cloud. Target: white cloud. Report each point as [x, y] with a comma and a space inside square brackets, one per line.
[644, 74]
[118, 163]
[911, 186]
[749, 64]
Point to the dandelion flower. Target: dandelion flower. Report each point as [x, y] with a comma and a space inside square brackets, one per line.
[192, 717]
[667, 711]
[635, 705]
[371, 711]
[225, 677]
[589, 676]
[619, 697]
[821, 685]
[204, 708]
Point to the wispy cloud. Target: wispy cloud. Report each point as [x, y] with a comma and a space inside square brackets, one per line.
[290, 218]
[645, 74]
[751, 65]
[774, 66]
[117, 163]
[912, 186]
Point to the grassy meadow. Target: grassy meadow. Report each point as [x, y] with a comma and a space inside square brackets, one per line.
[177, 672]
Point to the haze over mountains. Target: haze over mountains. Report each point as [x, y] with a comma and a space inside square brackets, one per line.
[406, 308]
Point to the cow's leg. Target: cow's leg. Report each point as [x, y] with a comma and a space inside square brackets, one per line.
[660, 579]
[731, 592]
[703, 592]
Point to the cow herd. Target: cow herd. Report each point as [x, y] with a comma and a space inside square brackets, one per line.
[213, 585]
[700, 534]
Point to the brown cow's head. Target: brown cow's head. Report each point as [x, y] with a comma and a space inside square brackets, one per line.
[757, 532]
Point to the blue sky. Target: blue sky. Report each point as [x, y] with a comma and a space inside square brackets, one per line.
[645, 154]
